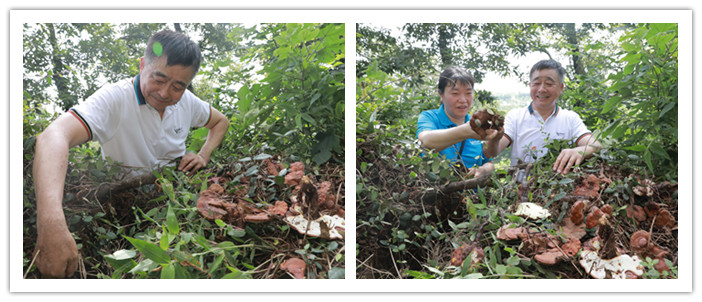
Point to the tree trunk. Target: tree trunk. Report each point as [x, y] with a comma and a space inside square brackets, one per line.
[58, 71]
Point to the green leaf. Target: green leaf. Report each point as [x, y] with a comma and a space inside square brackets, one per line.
[637, 148]
[172, 221]
[337, 273]
[667, 108]
[298, 122]
[322, 157]
[245, 99]
[262, 156]
[168, 272]
[647, 159]
[216, 264]
[309, 119]
[150, 250]
[611, 103]
[657, 148]
[167, 188]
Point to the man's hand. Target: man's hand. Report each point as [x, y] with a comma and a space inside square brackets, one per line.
[494, 135]
[567, 159]
[58, 254]
[192, 162]
[476, 172]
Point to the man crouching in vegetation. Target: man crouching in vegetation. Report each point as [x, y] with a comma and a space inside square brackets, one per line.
[141, 123]
[528, 128]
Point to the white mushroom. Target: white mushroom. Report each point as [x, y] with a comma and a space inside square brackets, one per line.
[617, 266]
[333, 223]
[531, 210]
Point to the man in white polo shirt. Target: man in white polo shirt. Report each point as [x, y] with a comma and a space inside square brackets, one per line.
[142, 123]
[527, 129]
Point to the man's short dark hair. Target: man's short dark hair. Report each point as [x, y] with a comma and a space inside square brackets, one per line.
[453, 75]
[177, 47]
[548, 64]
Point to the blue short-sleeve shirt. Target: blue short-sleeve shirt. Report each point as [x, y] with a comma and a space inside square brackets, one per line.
[437, 119]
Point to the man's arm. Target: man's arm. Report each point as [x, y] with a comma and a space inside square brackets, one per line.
[218, 125]
[495, 145]
[58, 254]
[568, 158]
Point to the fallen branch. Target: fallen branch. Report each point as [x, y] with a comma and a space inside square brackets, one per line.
[430, 195]
[103, 191]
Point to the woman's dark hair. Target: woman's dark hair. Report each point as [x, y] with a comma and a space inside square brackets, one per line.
[548, 64]
[453, 75]
[177, 47]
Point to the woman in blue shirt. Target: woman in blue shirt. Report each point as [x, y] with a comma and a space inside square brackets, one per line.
[447, 130]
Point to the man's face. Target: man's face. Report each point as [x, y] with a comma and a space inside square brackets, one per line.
[457, 101]
[163, 85]
[545, 87]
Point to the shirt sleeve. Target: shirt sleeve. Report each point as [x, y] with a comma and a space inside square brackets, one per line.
[100, 113]
[200, 110]
[425, 122]
[510, 126]
[578, 127]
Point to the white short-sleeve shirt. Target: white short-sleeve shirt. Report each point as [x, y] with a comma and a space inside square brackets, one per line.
[132, 132]
[528, 132]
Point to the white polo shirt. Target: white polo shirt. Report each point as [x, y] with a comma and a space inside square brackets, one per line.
[528, 132]
[132, 132]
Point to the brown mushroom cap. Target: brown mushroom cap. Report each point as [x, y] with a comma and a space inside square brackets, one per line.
[589, 188]
[664, 219]
[511, 232]
[211, 206]
[257, 217]
[636, 212]
[639, 242]
[576, 212]
[294, 176]
[295, 266]
[593, 218]
[280, 208]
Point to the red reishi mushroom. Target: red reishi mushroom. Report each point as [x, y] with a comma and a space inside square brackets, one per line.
[549, 257]
[651, 208]
[571, 247]
[210, 206]
[642, 245]
[590, 187]
[640, 241]
[661, 266]
[295, 266]
[325, 195]
[273, 168]
[576, 212]
[664, 219]
[280, 208]
[257, 217]
[593, 218]
[459, 254]
[570, 230]
[636, 212]
[511, 232]
[294, 176]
